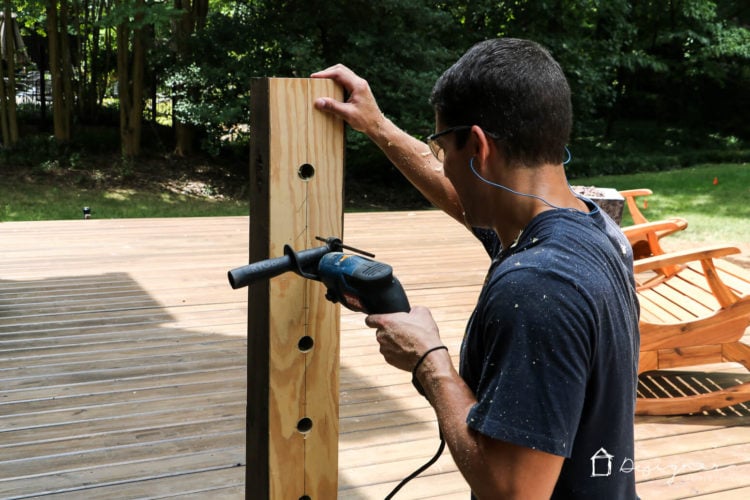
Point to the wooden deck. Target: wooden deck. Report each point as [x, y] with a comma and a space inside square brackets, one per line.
[123, 363]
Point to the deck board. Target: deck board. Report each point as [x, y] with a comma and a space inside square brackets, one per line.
[123, 365]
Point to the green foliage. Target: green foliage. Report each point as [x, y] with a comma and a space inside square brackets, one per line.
[680, 62]
[153, 13]
[641, 146]
[43, 153]
[31, 15]
[699, 59]
[32, 151]
[283, 39]
[211, 86]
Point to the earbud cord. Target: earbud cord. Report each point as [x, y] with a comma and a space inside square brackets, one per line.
[518, 193]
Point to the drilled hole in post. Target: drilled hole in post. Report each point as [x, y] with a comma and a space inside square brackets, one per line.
[304, 425]
[305, 344]
[305, 497]
[306, 171]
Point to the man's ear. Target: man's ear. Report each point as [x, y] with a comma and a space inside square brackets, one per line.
[482, 144]
[486, 147]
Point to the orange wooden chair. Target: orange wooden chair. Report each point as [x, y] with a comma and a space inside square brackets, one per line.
[645, 242]
[644, 238]
[695, 308]
[695, 315]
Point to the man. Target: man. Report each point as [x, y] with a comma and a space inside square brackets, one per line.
[548, 365]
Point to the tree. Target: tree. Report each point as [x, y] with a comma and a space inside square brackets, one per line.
[61, 69]
[131, 55]
[8, 117]
[94, 52]
[136, 22]
[192, 18]
[623, 58]
[400, 46]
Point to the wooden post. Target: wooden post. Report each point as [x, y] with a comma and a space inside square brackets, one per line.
[296, 176]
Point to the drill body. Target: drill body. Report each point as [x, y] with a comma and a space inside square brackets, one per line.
[357, 282]
[362, 284]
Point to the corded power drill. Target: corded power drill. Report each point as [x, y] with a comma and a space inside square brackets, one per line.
[357, 282]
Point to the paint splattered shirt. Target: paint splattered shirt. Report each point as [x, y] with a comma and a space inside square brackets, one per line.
[551, 350]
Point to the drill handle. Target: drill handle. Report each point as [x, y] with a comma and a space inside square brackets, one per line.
[298, 262]
[388, 298]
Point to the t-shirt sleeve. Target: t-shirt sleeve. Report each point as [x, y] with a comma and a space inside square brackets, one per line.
[533, 382]
[489, 240]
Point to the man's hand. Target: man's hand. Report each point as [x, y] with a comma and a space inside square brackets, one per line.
[410, 155]
[404, 337]
[360, 110]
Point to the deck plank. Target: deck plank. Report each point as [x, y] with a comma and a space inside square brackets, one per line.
[123, 365]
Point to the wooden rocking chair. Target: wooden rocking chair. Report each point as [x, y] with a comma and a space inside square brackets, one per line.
[695, 308]
[645, 242]
[644, 239]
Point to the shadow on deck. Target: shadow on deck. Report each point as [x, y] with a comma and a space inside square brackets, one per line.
[123, 368]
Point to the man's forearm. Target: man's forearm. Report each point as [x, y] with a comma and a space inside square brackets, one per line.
[493, 469]
[452, 399]
[414, 160]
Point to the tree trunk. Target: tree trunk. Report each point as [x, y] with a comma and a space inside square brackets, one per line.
[193, 17]
[42, 90]
[66, 70]
[90, 82]
[130, 84]
[104, 82]
[4, 128]
[60, 109]
[10, 94]
[123, 87]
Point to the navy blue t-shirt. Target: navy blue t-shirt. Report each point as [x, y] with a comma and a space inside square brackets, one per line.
[551, 350]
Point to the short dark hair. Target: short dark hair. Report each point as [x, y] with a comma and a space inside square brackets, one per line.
[514, 89]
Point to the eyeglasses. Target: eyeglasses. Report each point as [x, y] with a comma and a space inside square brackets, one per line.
[435, 146]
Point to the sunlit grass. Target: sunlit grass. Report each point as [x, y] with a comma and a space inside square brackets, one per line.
[716, 211]
[49, 202]
[715, 199]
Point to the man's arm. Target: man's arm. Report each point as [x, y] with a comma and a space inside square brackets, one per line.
[411, 156]
[493, 468]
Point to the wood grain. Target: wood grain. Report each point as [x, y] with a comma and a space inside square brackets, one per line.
[123, 336]
[299, 195]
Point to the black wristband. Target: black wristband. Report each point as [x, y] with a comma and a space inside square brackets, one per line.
[414, 380]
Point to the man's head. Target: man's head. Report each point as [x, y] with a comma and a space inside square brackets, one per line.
[512, 89]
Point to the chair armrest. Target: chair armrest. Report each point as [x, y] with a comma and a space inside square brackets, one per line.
[636, 192]
[683, 257]
[630, 195]
[638, 231]
[680, 224]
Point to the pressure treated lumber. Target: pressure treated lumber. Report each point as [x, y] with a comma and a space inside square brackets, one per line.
[296, 185]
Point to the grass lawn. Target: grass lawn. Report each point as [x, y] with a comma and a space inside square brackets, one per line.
[715, 199]
[149, 189]
[44, 201]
